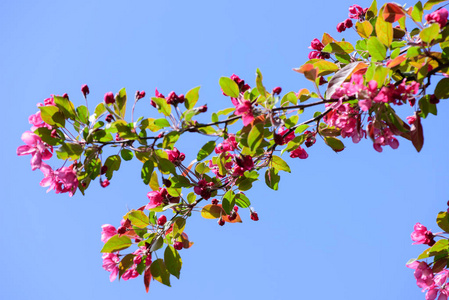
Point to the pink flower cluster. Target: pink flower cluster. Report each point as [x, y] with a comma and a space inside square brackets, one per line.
[172, 98]
[355, 12]
[243, 107]
[203, 188]
[317, 46]
[381, 135]
[175, 156]
[227, 145]
[61, 180]
[279, 138]
[434, 284]
[421, 235]
[299, 152]
[438, 16]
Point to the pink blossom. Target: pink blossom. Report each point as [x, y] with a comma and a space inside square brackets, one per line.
[175, 156]
[34, 146]
[356, 12]
[280, 140]
[62, 180]
[421, 235]
[299, 152]
[130, 273]
[107, 231]
[244, 109]
[438, 16]
[316, 45]
[423, 274]
[203, 189]
[49, 101]
[156, 198]
[110, 264]
[229, 144]
[245, 162]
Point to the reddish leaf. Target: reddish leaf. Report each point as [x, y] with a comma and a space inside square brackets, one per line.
[392, 12]
[416, 133]
[186, 244]
[147, 278]
[308, 70]
[439, 265]
[397, 61]
[327, 39]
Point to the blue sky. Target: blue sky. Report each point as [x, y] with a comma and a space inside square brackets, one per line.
[338, 227]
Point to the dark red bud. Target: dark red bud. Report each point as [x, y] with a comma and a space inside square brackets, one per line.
[109, 118]
[166, 182]
[177, 245]
[103, 170]
[221, 222]
[121, 230]
[85, 90]
[65, 96]
[254, 216]
[215, 202]
[277, 90]
[161, 220]
[109, 98]
[54, 133]
[434, 100]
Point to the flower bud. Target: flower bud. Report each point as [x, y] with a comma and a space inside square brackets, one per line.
[341, 27]
[85, 90]
[277, 90]
[103, 170]
[121, 230]
[177, 245]
[109, 98]
[161, 220]
[104, 183]
[221, 222]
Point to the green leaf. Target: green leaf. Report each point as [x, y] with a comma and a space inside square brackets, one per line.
[279, 164]
[325, 67]
[166, 166]
[99, 110]
[417, 12]
[372, 11]
[255, 137]
[157, 243]
[82, 114]
[229, 87]
[162, 105]
[170, 139]
[442, 89]
[339, 47]
[45, 134]
[334, 143]
[364, 29]
[191, 197]
[52, 116]
[113, 163]
[439, 246]
[259, 84]
[242, 201]
[69, 151]
[125, 264]
[429, 4]
[180, 182]
[147, 171]
[225, 111]
[93, 168]
[228, 201]
[212, 211]
[430, 33]
[290, 97]
[413, 52]
[443, 221]
[384, 32]
[139, 219]
[272, 179]
[178, 226]
[66, 106]
[173, 261]
[206, 150]
[154, 183]
[120, 103]
[126, 154]
[160, 272]
[161, 123]
[376, 48]
[116, 243]
[192, 97]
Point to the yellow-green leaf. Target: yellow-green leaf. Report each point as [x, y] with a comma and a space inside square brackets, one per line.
[364, 29]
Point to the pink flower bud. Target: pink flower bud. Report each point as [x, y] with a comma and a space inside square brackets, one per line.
[277, 90]
[65, 96]
[348, 23]
[341, 27]
[316, 45]
[85, 90]
[104, 183]
[254, 216]
[177, 245]
[202, 109]
[140, 95]
[161, 220]
[109, 98]
[221, 222]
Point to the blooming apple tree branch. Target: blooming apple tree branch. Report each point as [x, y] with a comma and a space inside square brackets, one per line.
[357, 85]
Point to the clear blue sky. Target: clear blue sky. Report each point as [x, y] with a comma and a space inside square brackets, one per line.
[338, 227]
